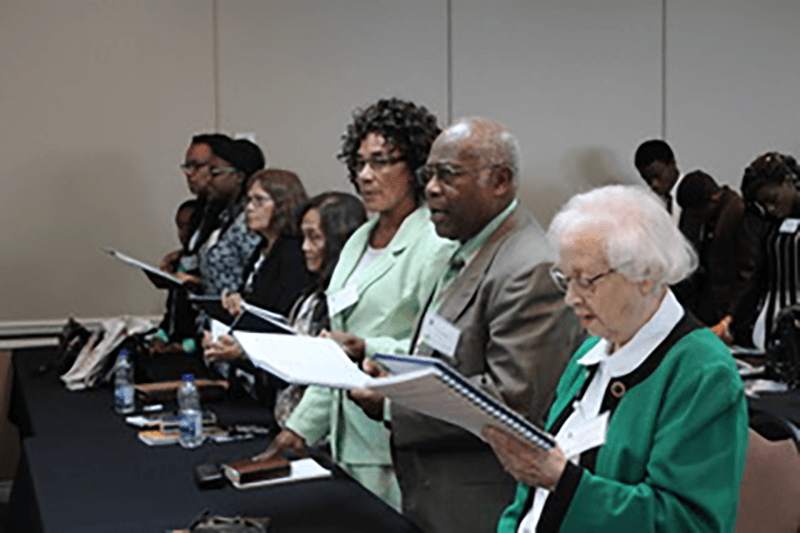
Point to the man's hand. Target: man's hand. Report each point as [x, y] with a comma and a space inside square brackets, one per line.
[369, 401]
[526, 462]
[285, 440]
[352, 345]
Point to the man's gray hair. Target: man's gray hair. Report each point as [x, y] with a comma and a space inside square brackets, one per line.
[642, 240]
[493, 140]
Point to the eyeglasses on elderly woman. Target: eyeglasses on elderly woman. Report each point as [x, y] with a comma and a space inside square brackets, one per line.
[583, 282]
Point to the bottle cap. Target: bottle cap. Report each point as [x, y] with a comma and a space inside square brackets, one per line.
[188, 377]
[124, 353]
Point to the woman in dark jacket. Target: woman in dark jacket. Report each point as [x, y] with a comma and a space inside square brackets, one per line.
[275, 275]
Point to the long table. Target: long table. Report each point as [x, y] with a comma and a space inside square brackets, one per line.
[83, 470]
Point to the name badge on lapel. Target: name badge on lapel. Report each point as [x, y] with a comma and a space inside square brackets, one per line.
[341, 300]
[591, 434]
[439, 334]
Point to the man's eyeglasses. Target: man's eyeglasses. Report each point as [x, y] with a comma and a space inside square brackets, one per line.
[444, 173]
[192, 166]
[583, 282]
[219, 171]
[377, 164]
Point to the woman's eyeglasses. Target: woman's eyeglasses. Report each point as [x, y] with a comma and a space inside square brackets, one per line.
[583, 282]
[192, 166]
[377, 164]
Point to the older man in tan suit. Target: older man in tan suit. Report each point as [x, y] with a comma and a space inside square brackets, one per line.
[495, 315]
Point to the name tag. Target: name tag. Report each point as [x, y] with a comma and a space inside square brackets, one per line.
[341, 300]
[789, 225]
[591, 434]
[439, 334]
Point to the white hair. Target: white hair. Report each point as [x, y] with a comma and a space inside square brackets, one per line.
[641, 239]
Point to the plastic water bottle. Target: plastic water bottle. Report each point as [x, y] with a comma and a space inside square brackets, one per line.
[190, 413]
[123, 383]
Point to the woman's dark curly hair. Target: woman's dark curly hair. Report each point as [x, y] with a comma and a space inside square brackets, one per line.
[340, 214]
[407, 127]
[771, 168]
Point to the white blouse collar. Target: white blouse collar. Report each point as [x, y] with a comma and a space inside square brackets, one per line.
[627, 358]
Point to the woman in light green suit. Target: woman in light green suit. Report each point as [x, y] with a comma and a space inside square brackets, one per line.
[385, 273]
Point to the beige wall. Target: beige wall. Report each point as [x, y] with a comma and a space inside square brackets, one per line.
[733, 80]
[98, 100]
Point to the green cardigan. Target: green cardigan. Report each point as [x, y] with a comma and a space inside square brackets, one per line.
[392, 292]
[674, 450]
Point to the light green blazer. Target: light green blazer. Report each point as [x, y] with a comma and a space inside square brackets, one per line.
[392, 291]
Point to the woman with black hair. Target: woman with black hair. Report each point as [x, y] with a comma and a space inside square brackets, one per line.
[379, 287]
[771, 193]
[226, 248]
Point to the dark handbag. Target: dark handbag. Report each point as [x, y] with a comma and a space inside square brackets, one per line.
[222, 524]
[71, 341]
[783, 348]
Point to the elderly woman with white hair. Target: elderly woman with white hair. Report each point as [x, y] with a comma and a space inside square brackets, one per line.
[650, 417]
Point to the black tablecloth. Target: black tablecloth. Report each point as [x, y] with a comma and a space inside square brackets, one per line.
[83, 470]
[42, 406]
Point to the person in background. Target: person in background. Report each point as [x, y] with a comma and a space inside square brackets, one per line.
[326, 221]
[224, 254]
[656, 165]
[275, 275]
[274, 278]
[650, 417]
[770, 182]
[770, 186]
[176, 332]
[195, 168]
[711, 218]
[378, 288]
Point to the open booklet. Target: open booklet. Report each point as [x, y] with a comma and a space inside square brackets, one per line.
[423, 384]
[258, 320]
[159, 278]
[251, 317]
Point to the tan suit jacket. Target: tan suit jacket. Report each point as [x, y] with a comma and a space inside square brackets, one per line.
[516, 337]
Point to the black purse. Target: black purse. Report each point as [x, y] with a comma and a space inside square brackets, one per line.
[71, 341]
[783, 348]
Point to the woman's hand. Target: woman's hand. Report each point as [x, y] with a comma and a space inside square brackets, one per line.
[352, 345]
[285, 440]
[526, 462]
[232, 302]
[192, 283]
[223, 349]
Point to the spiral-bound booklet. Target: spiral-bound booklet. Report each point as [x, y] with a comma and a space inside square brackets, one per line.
[423, 384]
[445, 394]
